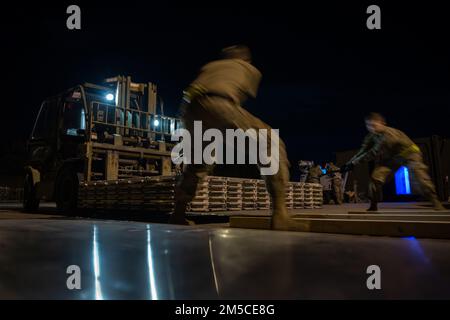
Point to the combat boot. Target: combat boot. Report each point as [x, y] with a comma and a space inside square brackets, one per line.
[437, 205]
[282, 221]
[373, 206]
[179, 214]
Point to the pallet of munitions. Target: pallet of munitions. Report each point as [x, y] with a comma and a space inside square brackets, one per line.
[200, 201]
[317, 195]
[313, 195]
[249, 194]
[211, 195]
[146, 193]
[262, 196]
[234, 194]
[298, 195]
[289, 196]
[308, 199]
[87, 197]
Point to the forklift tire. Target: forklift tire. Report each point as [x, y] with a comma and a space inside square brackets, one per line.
[67, 191]
[30, 199]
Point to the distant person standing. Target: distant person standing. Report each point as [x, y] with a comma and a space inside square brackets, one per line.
[304, 167]
[336, 183]
[314, 174]
[395, 149]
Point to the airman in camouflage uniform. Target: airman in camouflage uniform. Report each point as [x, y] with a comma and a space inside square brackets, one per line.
[215, 98]
[394, 149]
[314, 174]
[336, 182]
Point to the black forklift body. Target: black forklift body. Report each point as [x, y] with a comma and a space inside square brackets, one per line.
[92, 132]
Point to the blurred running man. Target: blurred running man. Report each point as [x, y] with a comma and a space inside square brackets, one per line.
[395, 149]
[215, 98]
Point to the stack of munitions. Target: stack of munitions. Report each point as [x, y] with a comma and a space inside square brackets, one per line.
[148, 193]
[159, 193]
[298, 189]
[234, 194]
[200, 201]
[249, 194]
[262, 196]
[111, 194]
[86, 195]
[289, 195]
[98, 194]
[128, 194]
[217, 193]
[92, 195]
[313, 195]
[211, 195]
[308, 199]
[317, 195]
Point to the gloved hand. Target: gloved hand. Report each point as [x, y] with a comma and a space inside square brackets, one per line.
[193, 92]
[347, 167]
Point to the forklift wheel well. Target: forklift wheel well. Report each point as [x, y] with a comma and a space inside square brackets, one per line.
[35, 174]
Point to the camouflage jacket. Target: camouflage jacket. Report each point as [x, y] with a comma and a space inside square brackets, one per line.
[314, 175]
[389, 144]
[231, 78]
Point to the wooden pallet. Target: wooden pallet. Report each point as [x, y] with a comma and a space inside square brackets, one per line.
[373, 227]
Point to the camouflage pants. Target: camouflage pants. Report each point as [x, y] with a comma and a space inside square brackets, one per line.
[336, 185]
[415, 164]
[222, 114]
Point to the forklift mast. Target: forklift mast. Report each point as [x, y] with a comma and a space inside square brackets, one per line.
[128, 109]
[125, 130]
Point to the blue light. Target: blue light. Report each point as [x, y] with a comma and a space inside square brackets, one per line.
[109, 97]
[417, 250]
[402, 181]
[83, 120]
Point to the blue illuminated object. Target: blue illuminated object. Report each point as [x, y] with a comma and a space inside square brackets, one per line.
[402, 181]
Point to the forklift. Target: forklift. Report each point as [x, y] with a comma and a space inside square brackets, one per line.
[96, 132]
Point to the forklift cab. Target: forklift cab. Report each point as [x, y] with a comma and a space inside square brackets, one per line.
[56, 142]
[59, 128]
[71, 134]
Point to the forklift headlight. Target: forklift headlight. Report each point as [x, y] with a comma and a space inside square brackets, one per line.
[110, 97]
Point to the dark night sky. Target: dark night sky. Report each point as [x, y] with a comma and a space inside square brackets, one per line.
[323, 70]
